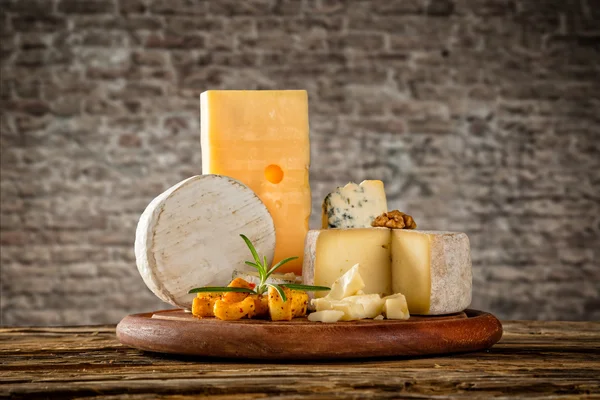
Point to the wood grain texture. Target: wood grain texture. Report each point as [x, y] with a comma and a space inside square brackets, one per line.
[556, 360]
[178, 332]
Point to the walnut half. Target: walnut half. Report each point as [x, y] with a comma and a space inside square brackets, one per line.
[395, 220]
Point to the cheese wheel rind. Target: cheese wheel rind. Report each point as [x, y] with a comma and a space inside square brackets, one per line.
[188, 236]
[310, 256]
[452, 277]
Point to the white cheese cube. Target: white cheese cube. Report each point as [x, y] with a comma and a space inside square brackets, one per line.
[353, 307]
[351, 310]
[371, 303]
[395, 307]
[326, 316]
[347, 284]
[321, 304]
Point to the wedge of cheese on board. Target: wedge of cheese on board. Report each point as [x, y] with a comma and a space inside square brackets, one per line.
[261, 138]
[330, 253]
[354, 206]
[189, 236]
[432, 269]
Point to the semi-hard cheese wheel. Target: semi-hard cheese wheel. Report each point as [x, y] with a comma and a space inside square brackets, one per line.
[432, 269]
[189, 236]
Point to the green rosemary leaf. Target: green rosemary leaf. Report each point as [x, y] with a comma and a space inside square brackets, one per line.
[308, 288]
[250, 263]
[279, 290]
[280, 263]
[217, 289]
[261, 289]
[252, 249]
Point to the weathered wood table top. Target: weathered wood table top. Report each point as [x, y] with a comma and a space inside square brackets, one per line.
[533, 359]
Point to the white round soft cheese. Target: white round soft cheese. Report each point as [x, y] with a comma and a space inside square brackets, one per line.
[189, 236]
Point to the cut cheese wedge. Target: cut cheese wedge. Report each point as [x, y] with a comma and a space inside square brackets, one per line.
[330, 253]
[432, 269]
[261, 138]
[189, 236]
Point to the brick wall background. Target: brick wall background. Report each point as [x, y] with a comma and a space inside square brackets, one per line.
[481, 116]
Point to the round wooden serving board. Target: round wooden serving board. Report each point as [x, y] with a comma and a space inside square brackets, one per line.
[178, 332]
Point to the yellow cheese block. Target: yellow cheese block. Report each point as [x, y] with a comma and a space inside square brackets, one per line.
[432, 269]
[261, 138]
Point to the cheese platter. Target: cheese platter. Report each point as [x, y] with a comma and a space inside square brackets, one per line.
[179, 332]
[232, 249]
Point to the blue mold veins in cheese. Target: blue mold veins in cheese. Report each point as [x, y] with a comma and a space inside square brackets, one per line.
[354, 206]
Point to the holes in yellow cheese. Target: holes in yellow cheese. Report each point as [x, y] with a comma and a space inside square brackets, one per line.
[274, 173]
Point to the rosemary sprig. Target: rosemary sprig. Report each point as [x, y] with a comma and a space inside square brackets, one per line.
[218, 289]
[297, 286]
[263, 273]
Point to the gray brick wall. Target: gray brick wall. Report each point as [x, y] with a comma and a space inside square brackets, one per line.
[481, 116]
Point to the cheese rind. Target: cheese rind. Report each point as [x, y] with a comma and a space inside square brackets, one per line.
[188, 236]
[329, 253]
[261, 138]
[354, 206]
[432, 269]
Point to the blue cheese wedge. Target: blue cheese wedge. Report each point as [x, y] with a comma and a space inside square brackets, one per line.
[354, 206]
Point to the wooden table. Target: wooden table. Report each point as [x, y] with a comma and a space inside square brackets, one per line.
[533, 359]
